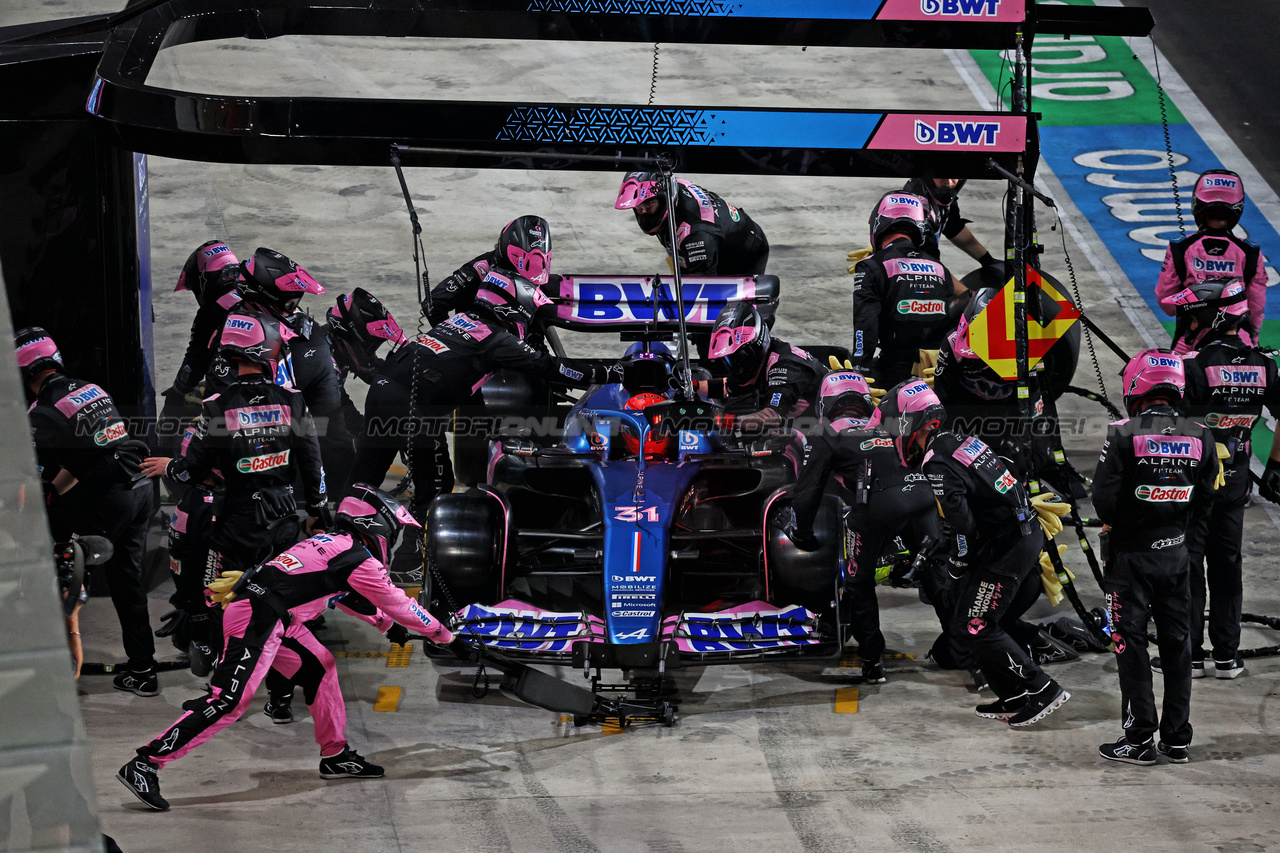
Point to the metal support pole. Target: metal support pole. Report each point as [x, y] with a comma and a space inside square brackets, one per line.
[671, 193]
[1017, 254]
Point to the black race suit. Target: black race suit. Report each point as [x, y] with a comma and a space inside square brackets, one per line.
[317, 378]
[75, 426]
[885, 500]
[713, 237]
[1155, 468]
[260, 436]
[900, 298]
[785, 388]
[420, 383]
[994, 541]
[1228, 384]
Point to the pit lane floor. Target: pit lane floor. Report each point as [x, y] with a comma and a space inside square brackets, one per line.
[760, 756]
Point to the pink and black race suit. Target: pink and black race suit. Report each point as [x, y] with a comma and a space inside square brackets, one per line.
[206, 328]
[787, 385]
[713, 237]
[1228, 384]
[900, 298]
[259, 436]
[1213, 254]
[75, 425]
[296, 583]
[1154, 469]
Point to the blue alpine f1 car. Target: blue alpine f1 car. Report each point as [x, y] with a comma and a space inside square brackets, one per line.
[641, 537]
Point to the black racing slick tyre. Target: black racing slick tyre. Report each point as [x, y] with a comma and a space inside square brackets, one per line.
[800, 577]
[464, 543]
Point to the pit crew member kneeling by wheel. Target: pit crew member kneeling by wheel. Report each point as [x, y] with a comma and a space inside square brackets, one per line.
[1156, 468]
[259, 435]
[901, 295]
[1228, 384]
[885, 500]
[768, 380]
[351, 559]
[419, 384]
[993, 539]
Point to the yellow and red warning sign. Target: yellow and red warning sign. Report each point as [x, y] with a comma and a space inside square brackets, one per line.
[991, 334]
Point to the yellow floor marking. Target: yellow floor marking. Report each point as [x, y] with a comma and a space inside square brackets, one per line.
[849, 658]
[399, 655]
[397, 471]
[846, 700]
[362, 654]
[388, 699]
[612, 726]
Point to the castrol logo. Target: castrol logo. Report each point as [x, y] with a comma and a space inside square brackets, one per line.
[1164, 494]
[1218, 421]
[106, 435]
[254, 464]
[922, 306]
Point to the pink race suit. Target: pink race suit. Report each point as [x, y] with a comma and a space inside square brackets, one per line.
[299, 582]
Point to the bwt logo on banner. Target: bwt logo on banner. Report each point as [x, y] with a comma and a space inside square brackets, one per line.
[957, 132]
[959, 7]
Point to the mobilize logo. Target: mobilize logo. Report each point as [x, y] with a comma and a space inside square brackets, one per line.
[959, 7]
[108, 434]
[927, 307]
[254, 464]
[1218, 421]
[957, 132]
[1164, 494]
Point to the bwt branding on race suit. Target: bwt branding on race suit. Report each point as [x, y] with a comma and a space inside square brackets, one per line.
[79, 398]
[1185, 448]
[1220, 376]
[257, 416]
[254, 464]
[242, 325]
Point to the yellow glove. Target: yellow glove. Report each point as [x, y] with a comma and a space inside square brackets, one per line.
[876, 393]
[926, 365]
[1050, 510]
[221, 588]
[1049, 576]
[855, 256]
[1223, 453]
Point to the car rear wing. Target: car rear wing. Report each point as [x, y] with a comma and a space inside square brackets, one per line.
[632, 303]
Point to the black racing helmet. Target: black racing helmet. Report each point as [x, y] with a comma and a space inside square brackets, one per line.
[358, 325]
[374, 518]
[1218, 304]
[740, 339]
[525, 246]
[942, 196]
[514, 302]
[274, 282]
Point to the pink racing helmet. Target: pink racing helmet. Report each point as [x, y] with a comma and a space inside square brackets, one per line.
[908, 408]
[639, 186]
[36, 352]
[513, 302]
[204, 266]
[904, 212]
[375, 518]
[1218, 191]
[1153, 371]
[843, 394]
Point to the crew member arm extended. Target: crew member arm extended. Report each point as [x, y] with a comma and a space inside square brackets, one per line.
[307, 446]
[1108, 477]
[371, 580]
[509, 351]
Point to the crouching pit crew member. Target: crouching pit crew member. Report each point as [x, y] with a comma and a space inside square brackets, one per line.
[768, 381]
[351, 559]
[993, 541]
[1156, 467]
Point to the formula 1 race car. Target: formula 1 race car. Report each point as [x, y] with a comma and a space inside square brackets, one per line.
[641, 538]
